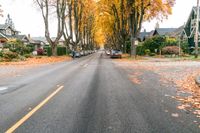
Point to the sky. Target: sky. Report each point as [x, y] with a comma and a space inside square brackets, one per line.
[28, 20]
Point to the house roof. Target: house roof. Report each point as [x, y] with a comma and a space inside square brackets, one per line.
[176, 32]
[151, 33]
[142, 35]
[164, 31]
[38, 40]
[188, 23]
[3, 36]
[54, 38]
[3, 26]
[42, 39]
[192, 11]
[21, 37]
[195, 9]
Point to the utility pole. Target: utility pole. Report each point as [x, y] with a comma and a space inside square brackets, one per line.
[179, 45]
[197, 32]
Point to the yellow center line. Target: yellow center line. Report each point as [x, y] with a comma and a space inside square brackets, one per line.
[27, 116]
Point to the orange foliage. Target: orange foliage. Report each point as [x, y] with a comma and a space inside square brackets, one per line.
[105, 18]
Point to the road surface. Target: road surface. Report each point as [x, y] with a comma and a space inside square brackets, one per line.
[89, 95]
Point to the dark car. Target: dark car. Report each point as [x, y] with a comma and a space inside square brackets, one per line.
[75, 54]
[116, 54]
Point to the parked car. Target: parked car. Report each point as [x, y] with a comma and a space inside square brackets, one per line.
[89, 51]
[116, 54]
[86, 52]
[107, 52]
[82, 53]
[77, 54]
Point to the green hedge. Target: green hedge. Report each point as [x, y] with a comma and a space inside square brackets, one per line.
[140, 50]
[60, 51]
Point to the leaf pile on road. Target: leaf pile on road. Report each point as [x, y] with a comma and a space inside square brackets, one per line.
[179, 73]
[135, 78]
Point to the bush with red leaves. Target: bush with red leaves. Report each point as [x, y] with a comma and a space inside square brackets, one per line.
[40, 51]
[169, 50]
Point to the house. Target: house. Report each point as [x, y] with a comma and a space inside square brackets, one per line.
[157, 32]
[61, 42]
[163, 31]
[145, 35]
[177, 33]
[8, 31]
[189, 28]
[40, 42]
[37, 42]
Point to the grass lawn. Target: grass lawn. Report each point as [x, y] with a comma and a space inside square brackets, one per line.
[190, 57]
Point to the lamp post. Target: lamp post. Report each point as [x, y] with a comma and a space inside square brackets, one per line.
[197, 32]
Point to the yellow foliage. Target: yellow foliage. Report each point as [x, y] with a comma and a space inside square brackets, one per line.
[98, 14]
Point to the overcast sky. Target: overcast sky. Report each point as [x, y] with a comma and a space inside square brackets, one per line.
[28, 20]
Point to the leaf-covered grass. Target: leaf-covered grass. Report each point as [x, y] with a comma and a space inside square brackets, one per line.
[38, 60]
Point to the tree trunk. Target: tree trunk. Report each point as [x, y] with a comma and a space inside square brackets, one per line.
[133, 46]
[54, 50]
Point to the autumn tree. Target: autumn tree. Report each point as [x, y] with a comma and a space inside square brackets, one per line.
[72, 23]
[79, 24]
[127, 17]
[140, 10]
[59, 6]
[88, 24]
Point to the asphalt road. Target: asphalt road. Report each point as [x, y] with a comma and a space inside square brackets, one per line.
[96, 97]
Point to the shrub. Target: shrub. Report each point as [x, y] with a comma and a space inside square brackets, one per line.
[48, 50]
[1, 53]
[153, 43]
[6, 45]
[30, 48]
[170, 42]
[22, 58]
[147, 51]
[19, 47]
[185, 47]
[152, 54]
[28, 56]
[170, 50]
[61, 51]
[140, 50]
[9, 55]
[40, 51]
